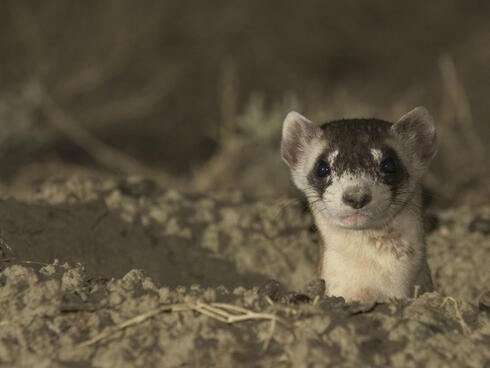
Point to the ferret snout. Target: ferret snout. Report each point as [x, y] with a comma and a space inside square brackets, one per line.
[356, 196]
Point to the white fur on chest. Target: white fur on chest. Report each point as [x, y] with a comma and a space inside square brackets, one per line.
[367, 265]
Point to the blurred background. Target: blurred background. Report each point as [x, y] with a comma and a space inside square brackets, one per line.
[192, 94]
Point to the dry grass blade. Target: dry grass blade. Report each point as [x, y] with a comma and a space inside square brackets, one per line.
[269, 335]
[133, 321]
[101, 152]
[460, 106]
[416, 291]
[253, 315]
[230, 307]
[240, 314]
[228, 101]
[4, 244]
[211, 312]
[218, 311]
[316, 300]
[459, 316]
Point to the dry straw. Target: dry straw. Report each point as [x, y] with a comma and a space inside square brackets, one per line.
[223, 312]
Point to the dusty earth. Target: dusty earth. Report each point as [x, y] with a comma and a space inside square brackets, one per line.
[125, 274]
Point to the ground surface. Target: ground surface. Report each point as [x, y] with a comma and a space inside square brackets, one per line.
[198, 250]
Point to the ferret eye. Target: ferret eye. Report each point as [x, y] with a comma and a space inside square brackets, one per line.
[322, 169]
[388, 166]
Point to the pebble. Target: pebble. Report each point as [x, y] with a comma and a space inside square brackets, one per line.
[480, 225]
[484, 302]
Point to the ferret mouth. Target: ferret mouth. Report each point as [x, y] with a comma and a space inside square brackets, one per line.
[356, 219]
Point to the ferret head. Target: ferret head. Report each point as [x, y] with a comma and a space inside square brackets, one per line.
[359, 173]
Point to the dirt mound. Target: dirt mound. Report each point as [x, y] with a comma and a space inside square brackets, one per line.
[203, 298]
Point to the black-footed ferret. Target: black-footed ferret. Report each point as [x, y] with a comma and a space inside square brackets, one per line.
[362, 181]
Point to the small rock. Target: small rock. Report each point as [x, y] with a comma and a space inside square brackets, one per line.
[480, 225]
[359, 308]
[137, 187]
[298, 298]
[315, 288]
[273, 289]
[484, 302]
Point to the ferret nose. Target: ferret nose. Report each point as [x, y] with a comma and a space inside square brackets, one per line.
[356, 197]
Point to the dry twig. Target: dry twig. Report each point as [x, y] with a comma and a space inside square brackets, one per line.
[416, 291]
[459, 316]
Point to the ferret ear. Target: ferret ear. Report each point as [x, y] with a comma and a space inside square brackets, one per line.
[417, 133]
[297, 133]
